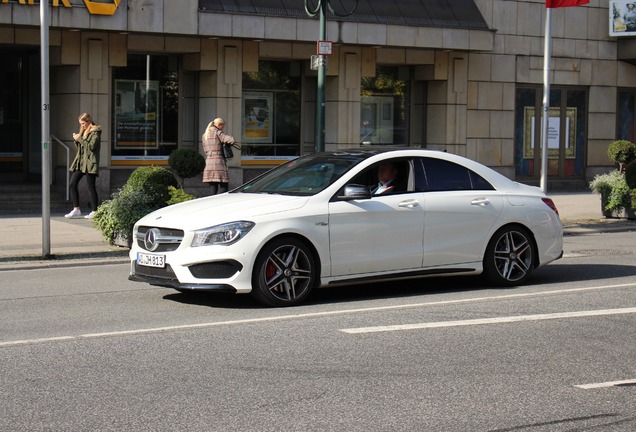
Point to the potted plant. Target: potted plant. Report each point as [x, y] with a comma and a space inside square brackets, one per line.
[615, 197]
[616, 194]
[186, 163]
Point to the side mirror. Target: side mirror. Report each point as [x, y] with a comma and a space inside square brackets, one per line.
[354, 192]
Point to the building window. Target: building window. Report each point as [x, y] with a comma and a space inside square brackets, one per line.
[625, 114]
[384, 107]
[145, 110]
[271, 108]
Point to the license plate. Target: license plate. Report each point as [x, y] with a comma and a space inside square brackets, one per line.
[151, 260]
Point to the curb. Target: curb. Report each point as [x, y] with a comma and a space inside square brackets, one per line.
[63, 260]
[598, 226]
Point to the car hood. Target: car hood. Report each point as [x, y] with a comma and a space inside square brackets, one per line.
[217, 209]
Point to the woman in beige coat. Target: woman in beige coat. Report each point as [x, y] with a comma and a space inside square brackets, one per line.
[215, 172]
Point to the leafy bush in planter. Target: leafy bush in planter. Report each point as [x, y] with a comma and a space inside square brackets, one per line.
[178, 195]
[145, 191]
[153, 181]
[621, 152]
[117, 216]
[613, 189]
[186, 163]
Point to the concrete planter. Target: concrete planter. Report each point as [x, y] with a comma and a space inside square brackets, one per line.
[120, 240]
[626, 213]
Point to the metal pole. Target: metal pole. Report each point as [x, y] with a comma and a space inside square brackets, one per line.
[545, 124]
[322, 66]
[320, 96]
[46, 130]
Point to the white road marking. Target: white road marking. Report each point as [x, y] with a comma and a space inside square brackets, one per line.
[312, 315]
[573, 255]
[606, 384]
[509, 319]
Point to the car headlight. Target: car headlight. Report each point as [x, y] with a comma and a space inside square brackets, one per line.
[225, 234]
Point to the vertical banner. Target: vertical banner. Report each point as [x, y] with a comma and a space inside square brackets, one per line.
[136, 117]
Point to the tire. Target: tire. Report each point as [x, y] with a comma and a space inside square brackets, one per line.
[510, 256]
[285, 272]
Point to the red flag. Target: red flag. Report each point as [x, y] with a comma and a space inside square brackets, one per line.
[564, 3]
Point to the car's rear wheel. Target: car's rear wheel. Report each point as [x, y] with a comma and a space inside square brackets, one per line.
[284, 273]
[509, 256]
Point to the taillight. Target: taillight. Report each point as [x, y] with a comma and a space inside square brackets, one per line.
[550, 204]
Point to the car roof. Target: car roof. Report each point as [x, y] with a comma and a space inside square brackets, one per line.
[497, 179]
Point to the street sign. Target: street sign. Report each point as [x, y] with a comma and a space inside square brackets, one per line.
[317, 61]
[324, 47]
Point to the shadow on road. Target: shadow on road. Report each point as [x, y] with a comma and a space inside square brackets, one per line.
[549, 275]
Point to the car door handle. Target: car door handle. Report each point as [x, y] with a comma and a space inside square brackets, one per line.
[409, 204]
[480, 202]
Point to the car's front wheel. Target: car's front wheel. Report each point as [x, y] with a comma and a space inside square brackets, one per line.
[284, 273]
[509, 257]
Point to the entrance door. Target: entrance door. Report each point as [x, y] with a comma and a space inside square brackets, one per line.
[566, 142]
[18, 158]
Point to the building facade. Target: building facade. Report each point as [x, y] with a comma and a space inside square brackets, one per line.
[465, 78]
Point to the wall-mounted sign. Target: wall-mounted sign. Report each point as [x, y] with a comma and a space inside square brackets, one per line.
[622, 18]
[95, 7]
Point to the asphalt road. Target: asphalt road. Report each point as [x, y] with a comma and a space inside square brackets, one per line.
[85, 349]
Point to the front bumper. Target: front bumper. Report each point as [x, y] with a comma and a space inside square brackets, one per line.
[175, 284]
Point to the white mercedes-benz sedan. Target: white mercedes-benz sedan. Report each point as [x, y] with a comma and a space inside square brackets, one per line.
[350, 216]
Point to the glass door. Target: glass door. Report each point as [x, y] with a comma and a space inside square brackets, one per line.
[566, 134]
[13, 158]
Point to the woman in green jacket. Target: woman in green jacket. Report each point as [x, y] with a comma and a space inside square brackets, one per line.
[86, 163]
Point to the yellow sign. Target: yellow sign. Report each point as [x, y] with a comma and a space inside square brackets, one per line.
[94, 7]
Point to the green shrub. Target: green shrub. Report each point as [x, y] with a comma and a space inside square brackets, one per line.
[146, 190]
[613, 189]
[621, 152]
[153, 181]
[178, 195]
[118, 215]
[186, 163]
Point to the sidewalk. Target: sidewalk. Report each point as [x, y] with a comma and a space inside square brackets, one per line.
[76, 242]
[72, 242]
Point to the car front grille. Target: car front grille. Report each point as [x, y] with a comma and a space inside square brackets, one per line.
[155, 272]
[215, 270]
[168, 239]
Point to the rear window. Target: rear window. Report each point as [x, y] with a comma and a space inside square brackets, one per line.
[441, 175]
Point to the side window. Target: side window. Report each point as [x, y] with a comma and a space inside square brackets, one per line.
[441, 175]
[400, 180]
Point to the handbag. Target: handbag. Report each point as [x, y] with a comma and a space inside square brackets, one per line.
[228, 153]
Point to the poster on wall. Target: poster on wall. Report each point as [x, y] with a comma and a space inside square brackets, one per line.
[136, 119]
[257, 107]
[622, 18]
[554, 133]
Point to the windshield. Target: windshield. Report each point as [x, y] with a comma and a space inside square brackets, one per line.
[303, 176]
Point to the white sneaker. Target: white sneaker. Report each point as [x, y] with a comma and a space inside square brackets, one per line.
[73, 214]
[90, 215]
